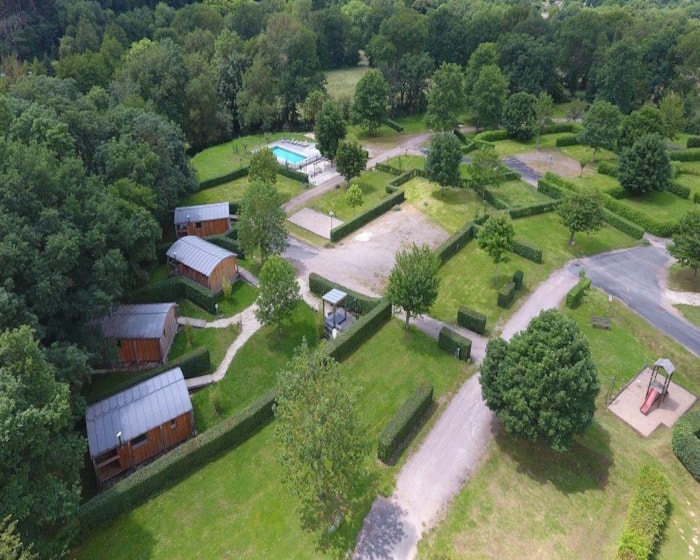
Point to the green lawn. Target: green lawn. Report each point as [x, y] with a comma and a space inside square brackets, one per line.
[406, 162]
[216, 340]
[547, 505]
[233, 191]
[373, 185]
[581, 152]
[690, 181]
[242, 296]
[595, 180]
[682, 279]
[342, 82]
[519, 193]
[511, 147]
[691, 313]
[660, 205]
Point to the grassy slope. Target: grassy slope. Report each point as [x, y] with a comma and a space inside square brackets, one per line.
[341, 83]
[233, 191]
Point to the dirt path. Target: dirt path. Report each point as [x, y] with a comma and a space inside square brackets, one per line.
[449, 454]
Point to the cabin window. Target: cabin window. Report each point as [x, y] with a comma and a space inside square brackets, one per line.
[173, 424]
[139, 441]
[198, 225]
[119, 343]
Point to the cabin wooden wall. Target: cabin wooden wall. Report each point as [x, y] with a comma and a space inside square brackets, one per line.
[140, 350]
[207, 228]
[169, 332]
[228, 268]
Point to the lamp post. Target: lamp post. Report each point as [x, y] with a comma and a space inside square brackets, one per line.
[331, 214]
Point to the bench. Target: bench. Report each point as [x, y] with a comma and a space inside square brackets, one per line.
[601, 322]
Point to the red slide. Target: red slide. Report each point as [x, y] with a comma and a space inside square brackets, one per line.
[651, 399]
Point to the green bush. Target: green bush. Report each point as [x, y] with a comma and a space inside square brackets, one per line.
[625, 226]
[518, 276]
[175, 466]
[532, 210]
[693, 142]
[233, 208]
[455, 242]
[454, 343]
[356, 302]
[461, 137]
[561, 127]
[161, 252]
[472, 320]
[652, 225]
[216, 181]
[293, 174]
[351, 339]
[646, 517]
[527, 251]
[225, 242]
[492, 135]
[550, 189]
[164, 291]
[390, 169]
[679, 190]
[685, 155]
[482, 144]
[393, 125]
[616, 191]
[360, 220]
[506, 295]
[569, 140]
[575, 295]
[686, 442]
[609, 169]
[403, 422]
[199, 295]
[469, 147]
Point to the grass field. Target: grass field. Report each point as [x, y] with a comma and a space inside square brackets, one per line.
[373, 185]
[341, 83]
[660, 205]
[216, 341]
[242, 295]
[236, 507]
[547, 505]
[596, 181]
[682, 279]
[518, 193]
[406, 162]
[233, 191]
[691, 313]
[512, 147]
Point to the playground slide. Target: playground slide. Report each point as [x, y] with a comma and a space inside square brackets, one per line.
[651, 399]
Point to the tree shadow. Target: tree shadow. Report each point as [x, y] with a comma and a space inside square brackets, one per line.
[585, 466]
[383, 530]
[106, 541]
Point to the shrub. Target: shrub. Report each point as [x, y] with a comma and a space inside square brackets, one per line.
[492, 135]
[454, 343]
[233, 208]
[518, 276]
[393, 125]
[625, 226]
[293, 174]
[469, 147]
[161, 252]
[403, 422]
[506, 295]
[178, 464]
[360, 220]
[685, 155]
[483, 145]
[384, 168]
[225, 242]
[216, 181]
[616, 191]
[686, 442]
[646, 517]
[560, 127]
[575, 295]
[609, 169]
[693, 142]
[532, 210]
[459, 239]
[199, 295]
[351, 339]
[356, 302]
[652, 225]
[472, 320]
[461, 137]
[569, 140]
[679, 190]
[164, 291]
[527, 251]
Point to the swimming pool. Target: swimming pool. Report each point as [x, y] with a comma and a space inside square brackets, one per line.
[287, 155]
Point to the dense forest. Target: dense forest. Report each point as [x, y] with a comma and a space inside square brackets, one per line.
[101, 101]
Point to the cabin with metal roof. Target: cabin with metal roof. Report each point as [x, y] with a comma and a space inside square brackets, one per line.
[202, 220]
[138, 424]
[142, 333]
[201, 261]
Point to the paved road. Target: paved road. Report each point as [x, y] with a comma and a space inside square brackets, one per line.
[637, 277]
[527, 173]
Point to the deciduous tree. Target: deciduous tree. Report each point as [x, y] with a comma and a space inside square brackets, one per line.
[581, 211]
[544, 109]
[279, 291]
[496, 237]
[444, 156]
[263, 167]
[519, 116]
[330, 129]
[446, 98]
[601, 126]
[262, 218]
[488, 96]
[686, 242]
[485, 169]
[353, 197]
[645, 166]
[543, 383]
[350, 159]
[371, 96]
[414, 281]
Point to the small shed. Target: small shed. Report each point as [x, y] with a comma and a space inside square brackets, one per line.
[139, 423]
[143, 333]
[337, 319]
[202, 261]
[202, 220]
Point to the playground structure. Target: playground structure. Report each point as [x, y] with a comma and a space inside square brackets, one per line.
[657, 389]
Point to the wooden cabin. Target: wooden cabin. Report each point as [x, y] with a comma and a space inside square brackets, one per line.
[139, 423]
[143, 333]
[202, 220]
[201, 261]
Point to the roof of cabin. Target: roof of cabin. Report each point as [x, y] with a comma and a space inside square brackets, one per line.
[201, 213]
[136, 321]
[198, 254]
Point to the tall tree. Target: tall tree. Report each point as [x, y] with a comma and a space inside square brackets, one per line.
[353, 197]
[601, 126]
[686, 242]
[645, 166]
[519, 116]
[414, 281]
[320, 437]
[11, 546]
[279, 292]
[618, 76]
[446, 98]
[263, 167]
[543, 383]
[645, 120]
[350, 159]
[486, 54]
[581, 211]
[496, 237]
[444, 156]
[672, 112]
[485, 169]
[262, 218]
[330, 129]
[528, 63]
[488, 97]
[544, 109]
[370, 105]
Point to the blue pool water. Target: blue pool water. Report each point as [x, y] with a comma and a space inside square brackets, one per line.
[287, 155]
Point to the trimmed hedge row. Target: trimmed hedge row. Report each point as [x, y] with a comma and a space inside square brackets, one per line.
[362, 329]
[357, 222]
[493, 200]
[685, 155]
[454, 343]
[385, 168]
[216, 181]
[518, 276]
[692, 142]
[470, 146]
[527, 251]
[199, 295]
[459, 239]
[193, 364]
[652, 225]
[532, 210]
[609, 169]
[293, 174]
[506, 295]
[616, 191]
[460, 136]
[393, 125]
[569, 140]
[356, 302]
[575, 294]
[175, 466]
[559, 127]
[686, 442]
[625, 226]
[228, 243]
[472, 320]
[393, 185]
[679, 190]
[492, 135]
[403, 422]
[646, 517]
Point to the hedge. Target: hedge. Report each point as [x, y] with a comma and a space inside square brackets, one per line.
[652, 225]
[693, 142]
[293, 174]
[403, 422]
[164, 291]
[175, 466]
[686, 442]
[384, 168]
[625, 226]
[533, 209]
[356, 302]
[161, 252]
[483, 145]
[470, 146]
[518, 276]
[393, 125]
[609, 169]
[461, 137]
[646, 517]
[569, 140]
[233, 208]
[551, 189]
[455, 242]
[216, 181]
[454, 343]
[679, 190]
[506, 295]
[393, 185]
[199, 295]
[472, 320]
[527, 251]
[357, 222]
[575, 294]
[559, 127]
[492, 135]
[493, 200]
[685, 155]
[616, 191]
[351, 339]
[226, 242]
